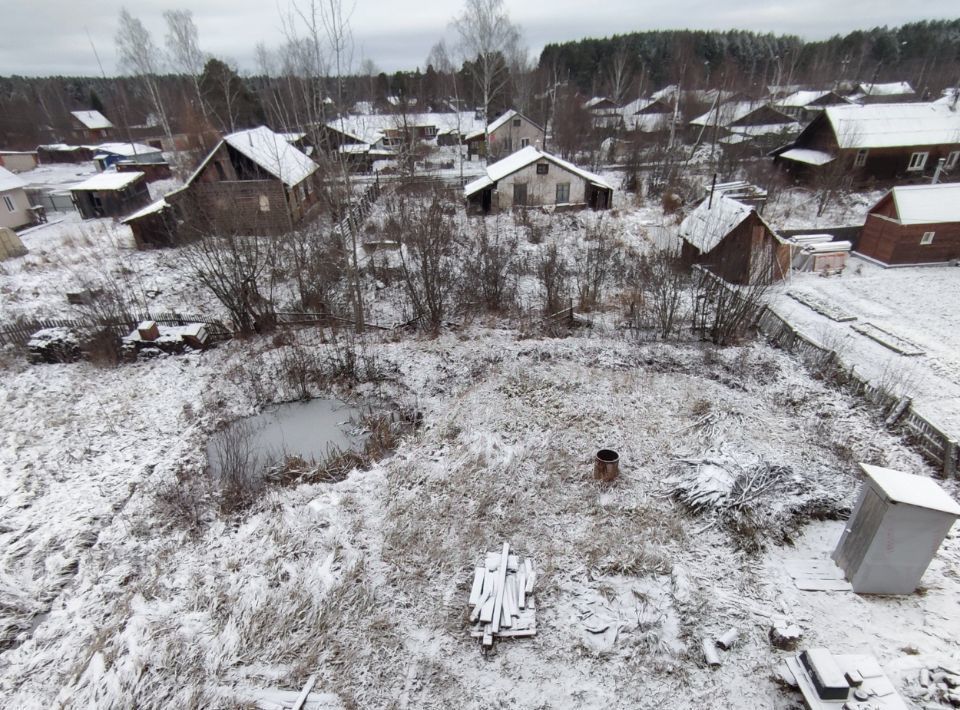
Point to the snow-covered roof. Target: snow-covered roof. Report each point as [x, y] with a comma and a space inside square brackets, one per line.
[127, 150]
[152, 208]
[521, 159]
[597, 100]
[61, 147]
[712, 220]
[894, 125]
[648, 122]
[273, 153]
[927, 204]
[108, 181]
[373, 128]
[949, 97]
[800, 99]
[92, 119]
[765, 129]
[9, 181]
[808, 156]
[497, 122]
[895, 88]
[910, 489]
[733, 111]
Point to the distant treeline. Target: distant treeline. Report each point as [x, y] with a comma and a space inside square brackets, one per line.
[927, 54]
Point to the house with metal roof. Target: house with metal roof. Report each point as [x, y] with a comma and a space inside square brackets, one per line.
[532, 178]
[895, 142]
[915, 224]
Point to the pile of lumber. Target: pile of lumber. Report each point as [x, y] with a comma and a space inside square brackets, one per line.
[501, 597]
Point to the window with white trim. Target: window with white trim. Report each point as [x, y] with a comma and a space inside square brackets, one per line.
[952, 159]
[861, 158]
[524, 142]
[918, 161]
[927, 238]
[11, 205]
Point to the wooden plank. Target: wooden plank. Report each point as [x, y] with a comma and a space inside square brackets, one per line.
[531, 576]
[477, 588]
[487, 609]
[522, 588]
[501, 575]
[513, 563]
[305, 693]
[823, 585]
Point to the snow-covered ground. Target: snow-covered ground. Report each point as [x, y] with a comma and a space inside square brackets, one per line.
[918, 304]
[113, 598]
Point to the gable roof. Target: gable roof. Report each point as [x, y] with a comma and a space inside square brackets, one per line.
[373, 128]
[127, 150]
[804, 98]
[737, 111]
[496, 123]
[273, 153]
[9, 181]
[893, 125]
[926, 204]
[521, 159]
[92, 119]
[712, 220]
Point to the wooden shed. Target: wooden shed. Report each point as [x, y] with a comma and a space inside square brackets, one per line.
[154, 226]
[110, 194]
[919, 224]
[894, 531]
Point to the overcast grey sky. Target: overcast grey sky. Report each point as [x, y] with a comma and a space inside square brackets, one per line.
[44, 37]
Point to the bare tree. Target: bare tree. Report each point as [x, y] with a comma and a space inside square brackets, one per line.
[183, 47]
[487, 36]
[620, 74]
[140, 56]
[554, 277]
[723, 311]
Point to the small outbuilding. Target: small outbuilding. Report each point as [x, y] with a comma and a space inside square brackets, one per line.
[533, 178]
[894, 531]
[110, 194]
[18, 161]
[154, 225]
[917, 224]
[14, 207]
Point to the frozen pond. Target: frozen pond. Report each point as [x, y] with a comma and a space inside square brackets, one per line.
[308, 429]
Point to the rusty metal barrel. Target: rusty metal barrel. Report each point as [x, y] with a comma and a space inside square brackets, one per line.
[606, 466]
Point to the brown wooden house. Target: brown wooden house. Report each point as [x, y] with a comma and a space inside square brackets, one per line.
[253, 182]
[733, 241]
[917, 224]
[887, 142]
[90, 126]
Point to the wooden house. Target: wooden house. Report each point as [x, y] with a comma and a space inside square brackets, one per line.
[14, 207]
[604, 112]
[509, 133]
[889, 142]
[916, 224]
[890, 92]
[63, 153]
[110, 194]
[805, 105]
[90, 126]
[252, 182]
[532, 178]
[106, 155]
[154, 225]
[648, 115]
[733, 241]
[746, 120]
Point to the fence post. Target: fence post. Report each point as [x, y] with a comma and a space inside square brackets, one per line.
[949, 458]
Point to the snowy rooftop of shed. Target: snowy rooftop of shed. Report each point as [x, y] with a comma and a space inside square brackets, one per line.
[92, 119]
[711, 221]
[895, 88]
[108, 181]
[910, 489]
[372, 128]
[127, 150]
[9, 181]
[273, 153]
[799, 99]
[732, 111]
[927, 204]
[521, 159]
[893, 125]
[808, 156]
[152, 208]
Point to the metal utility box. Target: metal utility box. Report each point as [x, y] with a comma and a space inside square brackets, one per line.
[894, 531]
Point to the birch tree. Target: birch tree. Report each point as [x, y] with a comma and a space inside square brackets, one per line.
[487, 37]
[141, 57]
[183, 48]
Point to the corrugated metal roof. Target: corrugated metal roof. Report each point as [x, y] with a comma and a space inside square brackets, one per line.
[894, 125]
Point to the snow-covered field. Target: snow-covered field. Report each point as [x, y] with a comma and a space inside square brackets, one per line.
[918, 304]
[112, 598]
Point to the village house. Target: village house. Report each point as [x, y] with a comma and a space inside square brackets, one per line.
[532, 178]
[63, 153]
[18, 161]
[647, 115]
[90, 126]
[732, 240]
[916, 224]
[805, 105]
[110, 194]
[14, 210]
[875, 142]
[891, 92]
[508, 133]
[746, 120]
[107, 155]
[252, 182]
[604, 113]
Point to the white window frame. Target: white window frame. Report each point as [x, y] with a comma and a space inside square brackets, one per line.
[927, 238]
[861, 159]
[11, 205]
[952, 159]
[524, 142]
[918, 161]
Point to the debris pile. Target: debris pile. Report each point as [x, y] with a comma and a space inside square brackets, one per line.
[54, 345]
[500, 597]
[150, 339]
[939, 687]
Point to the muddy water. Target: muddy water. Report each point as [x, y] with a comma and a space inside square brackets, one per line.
[309, 429]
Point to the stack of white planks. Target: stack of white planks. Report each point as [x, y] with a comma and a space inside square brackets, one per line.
[500, 597]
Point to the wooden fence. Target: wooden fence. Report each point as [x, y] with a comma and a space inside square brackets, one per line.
[357, 214]
[18, 334]
[934, 443]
